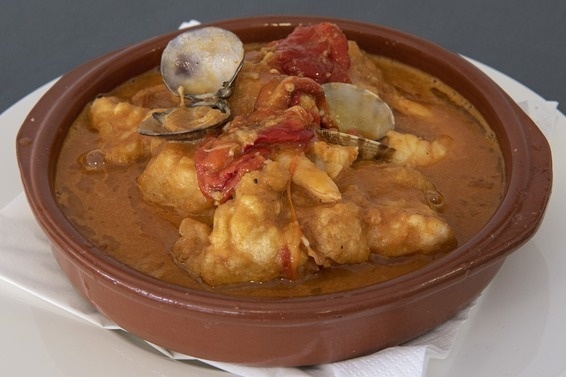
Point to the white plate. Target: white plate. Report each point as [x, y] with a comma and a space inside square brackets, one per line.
[516, 329]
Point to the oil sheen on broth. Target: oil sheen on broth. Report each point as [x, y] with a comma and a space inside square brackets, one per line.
[106, 206]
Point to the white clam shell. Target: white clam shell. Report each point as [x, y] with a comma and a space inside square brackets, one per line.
[356, 108]
[201, 61]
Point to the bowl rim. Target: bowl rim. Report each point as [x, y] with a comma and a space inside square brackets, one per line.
[487, 247]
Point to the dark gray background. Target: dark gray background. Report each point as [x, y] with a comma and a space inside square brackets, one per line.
[40, 39]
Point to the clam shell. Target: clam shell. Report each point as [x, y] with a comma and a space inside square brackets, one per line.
[202, 61]
[353, 107]
[367, 149]
[184, 124]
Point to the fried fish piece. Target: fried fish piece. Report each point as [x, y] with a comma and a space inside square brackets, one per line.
[117, 122]
[332, 158]
[415, 151]
[335, 233]
[254, 236]
[403, 215]
[306, 174]
[170, 180]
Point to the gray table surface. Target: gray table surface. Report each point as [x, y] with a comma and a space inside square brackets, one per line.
[40, 40]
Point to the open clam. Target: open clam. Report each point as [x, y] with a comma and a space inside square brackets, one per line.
[358, 109]
[184, 123]
[362, 119]
[200, 66]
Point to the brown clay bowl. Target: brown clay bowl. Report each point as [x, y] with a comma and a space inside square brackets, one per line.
[294, 331]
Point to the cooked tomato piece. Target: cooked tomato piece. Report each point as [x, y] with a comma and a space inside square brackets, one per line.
[222, 161]
[319, 52]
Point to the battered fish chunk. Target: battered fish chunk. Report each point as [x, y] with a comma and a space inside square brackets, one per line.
[396, 230]
[332, 158]
[117, 123]
[415, 151]
[402, 217]
[170, 180]
[188, 249]
[335, 232]
[253, 238]
[304, 173]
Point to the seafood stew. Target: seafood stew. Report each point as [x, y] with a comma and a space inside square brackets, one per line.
[268, 206]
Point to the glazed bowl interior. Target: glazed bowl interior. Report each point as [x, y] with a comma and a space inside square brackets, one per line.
[440, 289]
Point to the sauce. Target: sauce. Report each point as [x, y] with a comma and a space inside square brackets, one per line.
[106, 206]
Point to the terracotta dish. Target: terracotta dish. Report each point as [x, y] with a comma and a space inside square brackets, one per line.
[300, 330]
